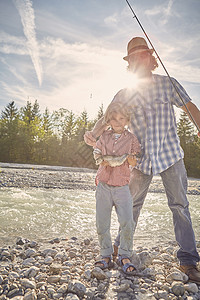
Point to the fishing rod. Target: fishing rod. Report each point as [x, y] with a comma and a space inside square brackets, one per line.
[176, 89]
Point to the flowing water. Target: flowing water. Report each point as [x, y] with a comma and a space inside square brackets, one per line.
[41, 214]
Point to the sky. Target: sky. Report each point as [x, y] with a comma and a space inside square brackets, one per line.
[69, 53]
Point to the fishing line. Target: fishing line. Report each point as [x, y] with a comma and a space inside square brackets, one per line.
[176, 89]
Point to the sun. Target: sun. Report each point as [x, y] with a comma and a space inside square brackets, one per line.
[132, 81]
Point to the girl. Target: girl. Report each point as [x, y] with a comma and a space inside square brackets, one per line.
[115, 150]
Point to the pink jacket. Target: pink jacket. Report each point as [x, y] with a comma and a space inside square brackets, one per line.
[127, 143]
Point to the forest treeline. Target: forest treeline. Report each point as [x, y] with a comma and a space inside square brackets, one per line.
[29, 136]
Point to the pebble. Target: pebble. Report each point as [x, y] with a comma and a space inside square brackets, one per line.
[60, 269]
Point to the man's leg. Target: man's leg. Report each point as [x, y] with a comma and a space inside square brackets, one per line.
[175, 183]
[139, 185]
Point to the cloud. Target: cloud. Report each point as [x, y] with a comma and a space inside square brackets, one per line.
[165, 12]
[111, 20]
[72, 72]
[11, 44]
[26, 13]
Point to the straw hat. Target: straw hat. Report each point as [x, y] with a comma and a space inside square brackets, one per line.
[137, 44]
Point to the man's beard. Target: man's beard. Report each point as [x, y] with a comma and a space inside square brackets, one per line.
[139, 69]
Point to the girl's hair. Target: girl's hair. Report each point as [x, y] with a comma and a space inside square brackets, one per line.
[116, 107]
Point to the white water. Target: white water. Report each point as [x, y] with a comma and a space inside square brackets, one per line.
[41, 214]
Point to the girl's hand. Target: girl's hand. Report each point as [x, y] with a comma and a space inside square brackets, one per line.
[89, 139]
[105, 163]
[132, 160]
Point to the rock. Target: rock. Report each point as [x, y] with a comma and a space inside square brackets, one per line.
[28, 283]
[56, 240]
[30, 252]
[64, 279]
[77, 287]
[30, 296]
[5, 253]
[33, 244]
[55, 269]
[1, 279]
[162, 295]
[48, 260]
[178, 288]
[53, 279]
[122, 288]
[71, 296]
[145, 259]
[62, 289]
[21, 241]
[174, 276]
[191, 287]
[14, 292]
[87, 241]
[49, 252]
[31, 272]
[28, 262]
[71, 254]
[14, 298]
[99, 274]
[13, 275]
[87, 274]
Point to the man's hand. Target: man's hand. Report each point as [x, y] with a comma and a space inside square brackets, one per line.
[132, 160]
[89, 138]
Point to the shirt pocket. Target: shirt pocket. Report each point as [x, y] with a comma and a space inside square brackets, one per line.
[161, 103]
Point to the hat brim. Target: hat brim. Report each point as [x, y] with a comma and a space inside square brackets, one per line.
[137, 51]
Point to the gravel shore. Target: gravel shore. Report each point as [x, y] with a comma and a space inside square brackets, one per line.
[64, 269]
[66, 178]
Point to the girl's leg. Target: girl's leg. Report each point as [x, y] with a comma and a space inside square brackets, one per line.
[123, 204]
[104, 206]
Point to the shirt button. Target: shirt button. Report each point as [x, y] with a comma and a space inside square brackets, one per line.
[150, 140]
[113, 151]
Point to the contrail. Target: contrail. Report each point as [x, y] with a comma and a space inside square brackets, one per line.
[26, 13]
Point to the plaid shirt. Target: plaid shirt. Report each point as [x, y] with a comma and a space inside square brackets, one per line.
[153, 121]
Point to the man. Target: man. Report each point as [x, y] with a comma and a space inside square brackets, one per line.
[153, 122]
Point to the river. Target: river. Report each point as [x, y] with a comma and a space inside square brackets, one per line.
[43, 214]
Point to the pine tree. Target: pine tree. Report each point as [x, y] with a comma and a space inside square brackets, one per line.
[9, 133]
[187, 140]
[10, 113]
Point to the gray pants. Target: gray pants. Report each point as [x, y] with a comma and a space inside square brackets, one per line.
[175, 183]
[120, 197]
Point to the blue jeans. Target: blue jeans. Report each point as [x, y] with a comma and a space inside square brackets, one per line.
[175, 184]
[106, 197]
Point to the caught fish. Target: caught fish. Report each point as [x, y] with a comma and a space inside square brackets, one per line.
[114, 161]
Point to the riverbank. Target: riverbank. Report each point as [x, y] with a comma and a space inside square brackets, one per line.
[35, 176]
[64, 269]
[58, 263]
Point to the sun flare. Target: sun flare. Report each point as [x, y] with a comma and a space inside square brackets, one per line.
[132, 81]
